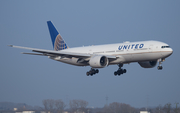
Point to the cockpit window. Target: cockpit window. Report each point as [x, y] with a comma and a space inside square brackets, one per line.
[165, 46]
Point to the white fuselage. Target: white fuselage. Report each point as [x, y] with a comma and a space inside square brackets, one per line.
[124, 52]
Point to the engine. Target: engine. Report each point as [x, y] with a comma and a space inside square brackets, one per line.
[148, 64]
[98, 61]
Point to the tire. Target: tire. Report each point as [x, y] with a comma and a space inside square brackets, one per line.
[87, 73]
[119, 73]
[97, 71]
[159, 67]
[115, 73]
[124, 71]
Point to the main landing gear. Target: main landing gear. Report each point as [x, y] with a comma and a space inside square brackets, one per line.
[92, 72]
[120, 71]
[160, 62]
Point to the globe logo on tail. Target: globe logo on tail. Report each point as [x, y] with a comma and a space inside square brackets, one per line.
[59, 43]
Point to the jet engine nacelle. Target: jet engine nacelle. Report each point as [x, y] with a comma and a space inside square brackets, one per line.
[148, 64]
[98, 61]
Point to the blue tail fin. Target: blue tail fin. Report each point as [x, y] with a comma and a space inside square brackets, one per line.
[57, 40]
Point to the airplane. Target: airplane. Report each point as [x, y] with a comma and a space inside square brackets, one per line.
[146, 53]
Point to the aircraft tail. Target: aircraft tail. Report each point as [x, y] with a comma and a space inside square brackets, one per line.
[57, 40]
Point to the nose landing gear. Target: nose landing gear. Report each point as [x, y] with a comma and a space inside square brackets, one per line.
[160, 62]
[92, 72]
[120, 71]
[160, 67]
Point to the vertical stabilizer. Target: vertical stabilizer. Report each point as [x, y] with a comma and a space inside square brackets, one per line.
[57, 40]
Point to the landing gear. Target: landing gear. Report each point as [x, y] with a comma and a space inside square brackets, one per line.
[92, 72]
[160, 67]
[160, 62]
[120, 71]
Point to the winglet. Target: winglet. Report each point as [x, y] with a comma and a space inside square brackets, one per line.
[57, 40]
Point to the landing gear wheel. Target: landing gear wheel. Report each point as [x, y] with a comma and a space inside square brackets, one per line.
[115, 73]
[160, 67]
[92, 72]
[97, 71]
[87, 73]
[120, 71]
[124, 71]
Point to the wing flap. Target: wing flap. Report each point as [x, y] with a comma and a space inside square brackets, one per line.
[34, 54]
[111, 57]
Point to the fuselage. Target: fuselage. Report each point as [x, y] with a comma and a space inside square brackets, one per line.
[126, 52]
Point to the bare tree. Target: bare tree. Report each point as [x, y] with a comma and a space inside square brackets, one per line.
[49, 105]
[78, 106]
[73, 104]
[116, 107]
[53, 106]
[46, 107]
[167, 108]
[176, 110]
[83, 105]
[158, 109]
[59, 106]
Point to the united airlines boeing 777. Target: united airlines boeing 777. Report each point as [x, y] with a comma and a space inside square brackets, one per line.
[146, 53]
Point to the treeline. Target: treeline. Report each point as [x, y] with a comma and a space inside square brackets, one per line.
[81, 106]
[58, 106]
[116, 107]
[10, 106]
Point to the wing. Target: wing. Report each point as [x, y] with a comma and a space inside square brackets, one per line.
[44, 52]
[52, 53]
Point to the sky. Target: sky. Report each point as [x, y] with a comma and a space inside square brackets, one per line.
[30, 79]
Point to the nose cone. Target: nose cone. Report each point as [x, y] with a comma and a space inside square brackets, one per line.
[169, 52]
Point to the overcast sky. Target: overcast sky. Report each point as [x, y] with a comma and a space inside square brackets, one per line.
[30, 79]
